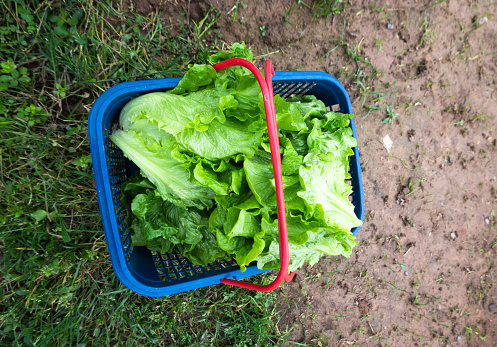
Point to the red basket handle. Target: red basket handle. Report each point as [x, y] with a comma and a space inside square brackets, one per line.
[274, 143]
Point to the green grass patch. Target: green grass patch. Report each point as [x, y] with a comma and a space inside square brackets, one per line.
[57, 286]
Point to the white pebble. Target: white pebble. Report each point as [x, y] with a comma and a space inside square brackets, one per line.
[388, 143]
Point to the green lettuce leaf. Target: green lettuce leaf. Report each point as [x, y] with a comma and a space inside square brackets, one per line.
[331, 120]
[308, 105]
[288, 117]
[318, 244]
[339, 142]
[172, 113]
[220, 140]
[207, 251]
[152, 227]
[259, 172]
[197, 76]
[207, 177]
[326, 191]
[163, 170]
[238, 50]
[291, 161]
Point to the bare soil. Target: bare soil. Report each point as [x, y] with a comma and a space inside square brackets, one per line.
[424, 271]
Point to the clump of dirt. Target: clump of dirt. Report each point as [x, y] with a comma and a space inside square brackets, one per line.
[173, 10]
[411, 135]
[403, 194]
[363, 305]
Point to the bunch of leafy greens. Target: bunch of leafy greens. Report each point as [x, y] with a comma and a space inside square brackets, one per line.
[206, 187]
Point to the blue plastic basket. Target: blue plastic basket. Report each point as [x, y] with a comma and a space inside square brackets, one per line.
[165, 274]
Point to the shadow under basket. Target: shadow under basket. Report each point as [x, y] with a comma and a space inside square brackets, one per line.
[154, 274]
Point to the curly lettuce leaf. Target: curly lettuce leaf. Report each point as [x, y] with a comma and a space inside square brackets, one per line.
[339, 142]
[196, 77]
[172, 113]
[238, 50]
[163, 170]
[206, 251]
[220, 140]
[259, 172]
[291, 160]
[308, 105]
[152, 227]
[318, 244]
[326, 191]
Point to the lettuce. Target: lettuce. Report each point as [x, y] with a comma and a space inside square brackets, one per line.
[157, 163]
[206, 184]
[327, 194]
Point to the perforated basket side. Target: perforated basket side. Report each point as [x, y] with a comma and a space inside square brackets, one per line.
[116, 167]
[286, 90]
[174, 267]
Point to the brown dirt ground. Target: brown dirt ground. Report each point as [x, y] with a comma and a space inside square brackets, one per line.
[424, 270]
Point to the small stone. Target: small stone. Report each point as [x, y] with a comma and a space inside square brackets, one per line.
[332, 63]
[432, 265]
[388, 143]
[491, 307]
[453, 236]
[487, 221]
[328, 331]
[483, 20]
[459, 338]
[390, 25]
[406, 273]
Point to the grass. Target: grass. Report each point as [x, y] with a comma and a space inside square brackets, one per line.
[57, 283]
[363, 75]
[328, 8]
[427, 36]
